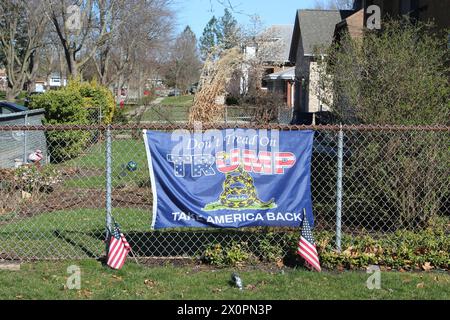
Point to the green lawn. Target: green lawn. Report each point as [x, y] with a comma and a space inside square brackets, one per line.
[71, 233]
[171, 109]
[92, 165]
[46, 280]
[180, 101]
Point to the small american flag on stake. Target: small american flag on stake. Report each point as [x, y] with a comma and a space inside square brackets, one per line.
[118, 249]
[306, 246]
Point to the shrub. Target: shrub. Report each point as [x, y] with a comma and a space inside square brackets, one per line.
[407, 250]
[235, 254]
[269, 250]
[266, 104]
[120, 117]
[63, 107]
[96, 96]
[396, 76]
[70, 105]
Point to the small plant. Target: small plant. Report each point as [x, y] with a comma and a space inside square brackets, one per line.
[32, 179]
[214, 254]
[234, 255]
[270, 251]
[237, 254]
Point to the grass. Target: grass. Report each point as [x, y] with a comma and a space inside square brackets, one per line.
[180, 101]
[171, 109]
[73, 233]
[94, 160]
[47, 280]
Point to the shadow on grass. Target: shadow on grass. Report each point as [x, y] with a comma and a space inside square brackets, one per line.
[76, 243]
[176, 244]
[192, 244]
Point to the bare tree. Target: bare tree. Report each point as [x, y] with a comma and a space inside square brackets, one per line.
[22, 28]
[333, 4]
[80, 44]
[183, 68]
[144, 27]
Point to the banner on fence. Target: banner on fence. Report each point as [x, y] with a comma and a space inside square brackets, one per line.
[230, 178]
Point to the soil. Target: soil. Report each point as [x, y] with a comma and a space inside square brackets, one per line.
[73, 199]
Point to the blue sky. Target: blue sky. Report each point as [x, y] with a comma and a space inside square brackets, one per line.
[196, 13]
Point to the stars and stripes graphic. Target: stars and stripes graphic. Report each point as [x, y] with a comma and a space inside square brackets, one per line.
[118, 249]
[306, 246]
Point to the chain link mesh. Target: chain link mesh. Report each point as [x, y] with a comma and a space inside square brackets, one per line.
[394, 178]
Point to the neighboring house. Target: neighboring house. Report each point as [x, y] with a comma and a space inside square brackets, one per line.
[420, 10]
[271, 49]
[282, 82]
[55, 81]
[353, 24]
[313, 32]
[39, 85]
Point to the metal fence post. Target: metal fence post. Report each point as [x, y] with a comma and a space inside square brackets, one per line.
[340, 157]
[25, 142]
[108, 185]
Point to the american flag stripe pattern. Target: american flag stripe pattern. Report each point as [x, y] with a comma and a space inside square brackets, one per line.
[306, 246]
[118, 249]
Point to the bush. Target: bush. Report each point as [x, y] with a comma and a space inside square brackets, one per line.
[267, 105]
[408, 250]
[96, 96]
[70, 105]
[396, 76]
[236, 254]
[120, 117]
[63, 107]
[269, 250]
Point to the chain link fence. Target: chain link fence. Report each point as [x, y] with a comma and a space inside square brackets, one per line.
[365, 179]
[232, 115]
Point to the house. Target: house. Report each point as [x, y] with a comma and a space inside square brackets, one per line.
[420, 10]
[417, 10]
[353, 25]
[56, 81]
[271, 51]
[39, 85]
[313, 32]
[279, 74]
[274, 47]
[282, 82]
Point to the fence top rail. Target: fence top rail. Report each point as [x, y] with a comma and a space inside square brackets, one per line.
[206, 126]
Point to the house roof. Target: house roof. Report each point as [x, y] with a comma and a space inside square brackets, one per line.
[287, 74]
[280, 37]
[315, 28]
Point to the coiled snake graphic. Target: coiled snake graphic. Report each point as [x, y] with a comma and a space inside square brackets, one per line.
[239, 191]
